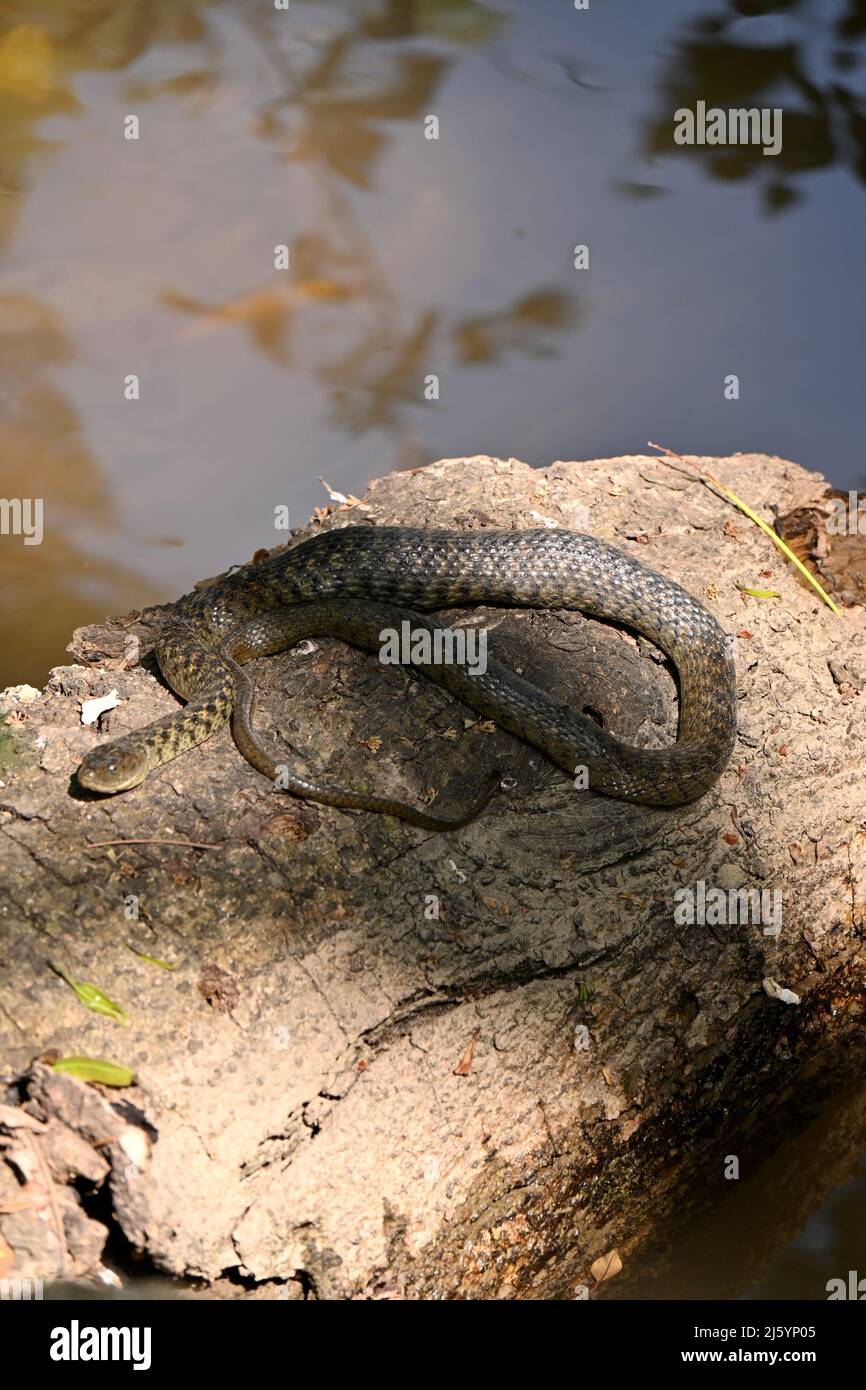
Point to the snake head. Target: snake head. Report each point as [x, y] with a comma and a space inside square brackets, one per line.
[113, 767]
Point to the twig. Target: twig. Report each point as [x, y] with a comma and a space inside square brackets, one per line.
[663, 449]
[660, 482]
[52, 1197]
[705, 476]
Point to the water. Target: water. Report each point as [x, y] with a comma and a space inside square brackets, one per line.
[407, 256]
[793, 1220]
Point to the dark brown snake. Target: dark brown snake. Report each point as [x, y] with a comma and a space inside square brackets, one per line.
[349, 582]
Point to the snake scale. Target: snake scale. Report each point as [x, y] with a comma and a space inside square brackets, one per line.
[352, 582]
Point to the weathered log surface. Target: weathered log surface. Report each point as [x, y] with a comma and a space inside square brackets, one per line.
[297, 1120]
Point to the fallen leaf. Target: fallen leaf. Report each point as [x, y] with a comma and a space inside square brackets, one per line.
[757, 593]
[152, 960]
[93, 998]
[464, 1066]
[95, 1069]
[606, 1266]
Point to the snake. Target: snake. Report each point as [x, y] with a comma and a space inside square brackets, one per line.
[354, 581]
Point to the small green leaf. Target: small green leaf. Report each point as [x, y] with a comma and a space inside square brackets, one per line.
[94, 999]
[757, 593]
[95, 1069]
[153, 960]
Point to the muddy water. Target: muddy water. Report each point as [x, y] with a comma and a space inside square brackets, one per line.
[154, 258]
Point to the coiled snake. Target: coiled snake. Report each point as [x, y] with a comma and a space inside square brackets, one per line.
[350, 582]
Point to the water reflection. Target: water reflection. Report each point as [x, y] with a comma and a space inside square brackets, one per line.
[403, 262]
[45, 456]
[771, 53]
[793, 1221]
[329, 118]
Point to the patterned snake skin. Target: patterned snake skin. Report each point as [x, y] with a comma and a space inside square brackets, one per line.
[347, 583]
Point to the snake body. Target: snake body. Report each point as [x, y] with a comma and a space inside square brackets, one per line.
[353, 582]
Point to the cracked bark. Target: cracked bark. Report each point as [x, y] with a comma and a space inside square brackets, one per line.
[302, 1125]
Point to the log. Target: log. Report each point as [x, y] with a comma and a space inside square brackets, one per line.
[386, 1062]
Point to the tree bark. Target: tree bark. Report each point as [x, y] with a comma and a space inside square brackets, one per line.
[395, 1062]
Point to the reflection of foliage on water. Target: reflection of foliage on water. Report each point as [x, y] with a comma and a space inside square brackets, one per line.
[824, 123]
[45, 454]
[524, 327]
[43, 46]
[330, 118]
[330, 90]
[340, 111]
[106, 34]
[43, 440]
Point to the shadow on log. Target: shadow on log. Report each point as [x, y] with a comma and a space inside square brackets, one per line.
[391, 1062]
